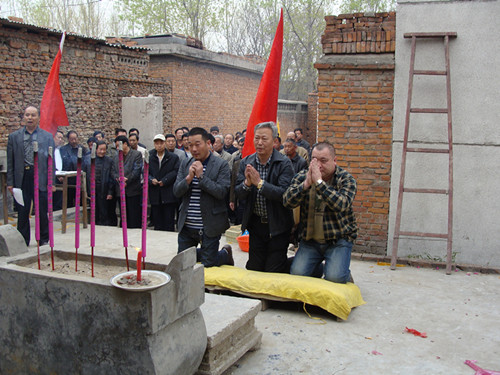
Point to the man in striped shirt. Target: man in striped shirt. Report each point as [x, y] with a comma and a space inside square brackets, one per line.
[203, 183]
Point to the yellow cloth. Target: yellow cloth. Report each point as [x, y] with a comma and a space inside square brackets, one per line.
[337, 299]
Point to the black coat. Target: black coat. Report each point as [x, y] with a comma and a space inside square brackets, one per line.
[107, 186]
[166, 173]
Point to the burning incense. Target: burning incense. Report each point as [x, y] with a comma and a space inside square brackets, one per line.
[50, 205]
[123, 203]
[37, 200]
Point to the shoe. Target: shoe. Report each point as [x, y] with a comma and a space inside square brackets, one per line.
[44, 242]
[229, 251]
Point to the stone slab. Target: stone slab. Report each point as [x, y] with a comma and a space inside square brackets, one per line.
[11, 241]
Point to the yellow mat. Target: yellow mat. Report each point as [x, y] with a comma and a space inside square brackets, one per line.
[337, 299]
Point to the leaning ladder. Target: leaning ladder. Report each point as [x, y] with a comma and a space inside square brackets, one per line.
[398, 233]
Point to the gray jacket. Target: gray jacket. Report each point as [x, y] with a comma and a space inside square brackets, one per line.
[214, 189]
[15, 157]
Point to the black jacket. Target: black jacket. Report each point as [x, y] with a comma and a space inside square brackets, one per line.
[278, 179]
[132, 168]
[107, 186]
[166, 173]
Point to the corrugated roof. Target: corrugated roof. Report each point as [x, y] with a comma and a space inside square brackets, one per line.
[40, 29]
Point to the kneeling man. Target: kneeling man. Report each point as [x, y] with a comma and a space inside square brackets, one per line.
[325, 193]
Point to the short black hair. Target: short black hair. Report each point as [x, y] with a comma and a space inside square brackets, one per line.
[98, 143]
[278, 138]
[298, 129]
[169, 135]
[120, 130]
[214, 129]
[71, 132]
[185, 128]
[60, 131]
[200, 131]
[133, 130]
[134, 135]
[123, 139]
[97, 132]
[211, 138]
[91, 139]
[176, 130]
[185, 135]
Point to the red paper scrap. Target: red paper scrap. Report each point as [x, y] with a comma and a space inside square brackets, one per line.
[416, 333]
[374, 352]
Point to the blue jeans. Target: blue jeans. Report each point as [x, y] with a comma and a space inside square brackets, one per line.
[208, 253]
[337, 257]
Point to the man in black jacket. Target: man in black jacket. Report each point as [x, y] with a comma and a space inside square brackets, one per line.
[163, 168]
[262, 179]
[105, 213]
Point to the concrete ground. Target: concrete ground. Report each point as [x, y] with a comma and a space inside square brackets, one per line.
[459, 313]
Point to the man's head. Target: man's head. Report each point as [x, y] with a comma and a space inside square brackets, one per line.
[101, 148]
[277, 143]
[185, 141]
[218, 145]
[241, 142]
[290, 148]
[298, 133]
[72, 138]
[290, 135]
[133, 131]
[178, 134]
[185, 129]
[133, 139]
[98, 135]
[91, 141]
[120, 131]
[214, 130]
[264, 135]
[170, 142]
[124, 140]
[59, 138]
[228, 140]
[159, 142]
[199, 143]
[324, 153]
[31, 117]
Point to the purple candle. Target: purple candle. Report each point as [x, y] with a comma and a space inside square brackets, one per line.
[37, 199]
[145, 203]
[50, 205]
[92, 204]
[77, 204]
[123, 203]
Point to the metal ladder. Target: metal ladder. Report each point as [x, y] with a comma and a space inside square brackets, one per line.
[409, 109]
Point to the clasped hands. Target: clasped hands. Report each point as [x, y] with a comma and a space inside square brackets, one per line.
[252, 176]
[313, 174]
[196, 169]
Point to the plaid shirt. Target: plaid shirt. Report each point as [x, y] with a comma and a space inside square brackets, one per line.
[339, 221]
[260, 208]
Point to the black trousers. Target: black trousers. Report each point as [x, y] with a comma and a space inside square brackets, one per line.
[267, 254]
[163, 216]
[134, 211]
[23, 212]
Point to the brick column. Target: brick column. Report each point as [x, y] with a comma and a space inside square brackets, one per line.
[355, 105]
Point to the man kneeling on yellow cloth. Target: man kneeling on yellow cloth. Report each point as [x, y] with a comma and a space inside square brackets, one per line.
[325, 193]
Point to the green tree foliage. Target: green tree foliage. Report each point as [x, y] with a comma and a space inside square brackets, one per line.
[360, 6]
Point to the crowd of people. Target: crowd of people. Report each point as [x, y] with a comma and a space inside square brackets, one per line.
[287, 191]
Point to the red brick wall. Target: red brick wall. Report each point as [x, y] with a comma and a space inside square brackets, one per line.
[312, 118]
[206, 94]
[355, 104]
[94, 77]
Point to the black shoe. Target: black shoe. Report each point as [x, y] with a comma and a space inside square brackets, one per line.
[229, 251]
[44, 242]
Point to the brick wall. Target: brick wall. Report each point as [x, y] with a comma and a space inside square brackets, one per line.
[94, 76]
[312, 118]
[206, 94]
[355, 105]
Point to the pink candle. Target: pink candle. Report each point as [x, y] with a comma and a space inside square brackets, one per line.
[145, 204]
[77, 204]
[37, 199]
[92, 204]
[123, 203]
[50, 205]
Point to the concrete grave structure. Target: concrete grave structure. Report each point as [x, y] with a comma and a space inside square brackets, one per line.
[11, 241]
[55, 323]
[145, 114]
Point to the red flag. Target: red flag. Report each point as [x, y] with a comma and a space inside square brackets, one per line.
[265, 107]
[52, 110]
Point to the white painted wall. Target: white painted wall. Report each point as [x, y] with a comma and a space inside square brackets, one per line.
[475, 87]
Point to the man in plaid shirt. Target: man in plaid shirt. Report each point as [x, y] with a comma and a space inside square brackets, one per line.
[325, 193]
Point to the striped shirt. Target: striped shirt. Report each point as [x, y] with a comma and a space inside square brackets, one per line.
[194, 219]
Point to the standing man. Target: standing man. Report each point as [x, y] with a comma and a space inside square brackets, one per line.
[59, 142]
[219, 148]
[20, 171]
[228, 144]
[298, 162]
[262, 179]
[136, 132]
[135, 145]
[214, 130]
[300, 140]
[170, 144]
[69, 156]
[163, 168]
[325, 193]
[178, 136]
[132, 170]
[203, 184]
